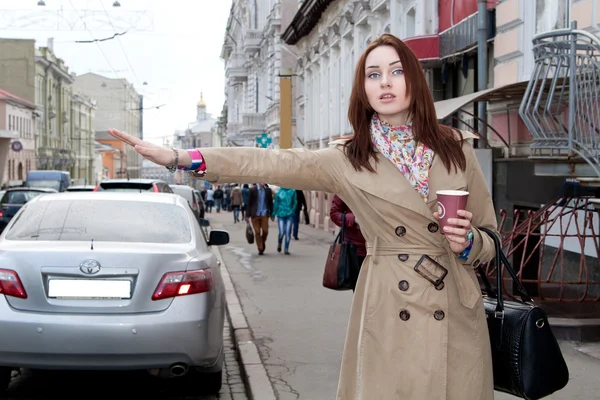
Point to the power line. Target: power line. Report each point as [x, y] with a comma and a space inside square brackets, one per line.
[121, 45]
[92, 35]
[100, 40]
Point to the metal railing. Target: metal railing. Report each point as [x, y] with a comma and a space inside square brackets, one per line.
[561, 106]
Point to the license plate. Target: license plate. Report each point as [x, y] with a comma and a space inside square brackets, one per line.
[89, 289]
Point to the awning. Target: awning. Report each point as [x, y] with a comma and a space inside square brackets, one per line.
[510, 91]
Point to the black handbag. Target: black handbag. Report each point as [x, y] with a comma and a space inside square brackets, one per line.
[249, 233]
[341, 266]
[527, 359]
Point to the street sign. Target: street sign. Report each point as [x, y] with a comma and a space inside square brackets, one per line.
[16, 146]
[264, 140]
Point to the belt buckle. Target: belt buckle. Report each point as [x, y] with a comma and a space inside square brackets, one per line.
[428, 268]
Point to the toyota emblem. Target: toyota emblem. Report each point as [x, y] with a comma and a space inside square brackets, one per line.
[89, 267]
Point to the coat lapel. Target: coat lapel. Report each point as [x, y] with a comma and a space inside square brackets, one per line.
[390, 184]
[398, 190]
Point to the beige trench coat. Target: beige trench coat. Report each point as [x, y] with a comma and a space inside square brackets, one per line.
[406, 338]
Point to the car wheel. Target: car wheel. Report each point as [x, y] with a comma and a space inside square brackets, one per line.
[5, 376]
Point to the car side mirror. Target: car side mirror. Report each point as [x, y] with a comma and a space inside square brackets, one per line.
[218, 238]
[204, 222]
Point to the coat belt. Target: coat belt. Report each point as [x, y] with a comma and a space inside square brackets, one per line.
[468, 292]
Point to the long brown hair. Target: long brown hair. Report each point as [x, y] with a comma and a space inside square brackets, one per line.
[441, 139]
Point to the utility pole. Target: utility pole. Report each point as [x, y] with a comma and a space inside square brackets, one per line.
[285, 108]
[482, 65]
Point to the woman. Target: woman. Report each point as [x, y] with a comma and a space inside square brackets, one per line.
[352, 230]
[407, 339]
[245, 191]
[284, 207]
[236, 202]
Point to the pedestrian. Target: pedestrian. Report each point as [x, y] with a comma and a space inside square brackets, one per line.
[260, 209]
[301, 205]
[210, 199]
[284, 208]
[417, 325]
[218, 196]
[245, 190]
[352, 230]
[236, 202]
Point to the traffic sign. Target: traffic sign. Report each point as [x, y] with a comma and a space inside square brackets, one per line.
[264, 140]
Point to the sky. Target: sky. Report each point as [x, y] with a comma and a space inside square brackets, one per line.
[172, 45]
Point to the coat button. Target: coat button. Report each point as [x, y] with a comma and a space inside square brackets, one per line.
[403, 285]
[439, 315]
[433, 227]
[440, 286]
[400, 231]
[402, 257]
[476, 263]
[404, 315]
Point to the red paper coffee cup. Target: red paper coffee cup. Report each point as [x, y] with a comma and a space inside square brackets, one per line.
[449, 202]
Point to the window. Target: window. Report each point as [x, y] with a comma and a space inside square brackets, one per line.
[551, 15]
[411, 22]
[102, 221]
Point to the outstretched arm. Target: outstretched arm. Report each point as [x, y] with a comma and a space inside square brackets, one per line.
[294, 168]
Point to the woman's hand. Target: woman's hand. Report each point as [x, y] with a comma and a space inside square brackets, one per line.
[457, 233]
[157, 154]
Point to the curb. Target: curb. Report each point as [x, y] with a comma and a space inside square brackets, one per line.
[254, 373]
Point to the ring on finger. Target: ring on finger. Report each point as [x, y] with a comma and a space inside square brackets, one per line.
[469, 236]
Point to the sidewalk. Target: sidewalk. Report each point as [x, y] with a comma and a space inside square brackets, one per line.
[298, 327]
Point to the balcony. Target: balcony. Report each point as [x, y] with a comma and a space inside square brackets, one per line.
[233, 129]
[252, 40]
[253, 124]
[561, 107]
[236, 68]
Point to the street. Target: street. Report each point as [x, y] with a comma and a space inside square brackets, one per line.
[300, 327]
[41, 385]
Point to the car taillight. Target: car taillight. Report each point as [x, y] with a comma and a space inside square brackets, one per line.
[10, 284]
[176, 284]
[1, 215]
[96, 188]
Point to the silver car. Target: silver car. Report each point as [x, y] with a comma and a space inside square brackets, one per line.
[111, 280]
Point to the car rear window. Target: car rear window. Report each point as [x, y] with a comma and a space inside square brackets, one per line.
[19, 196]
[102, 221]
[125, 187]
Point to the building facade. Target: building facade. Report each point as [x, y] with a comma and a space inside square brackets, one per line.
[83, 111]
[17, 139]
[254, 56]
[40, 77]
[114, 156]
[118, 107]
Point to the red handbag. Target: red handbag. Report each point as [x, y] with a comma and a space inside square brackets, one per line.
[341, 266]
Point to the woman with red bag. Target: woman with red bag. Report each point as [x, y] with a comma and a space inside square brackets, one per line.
[353, 233]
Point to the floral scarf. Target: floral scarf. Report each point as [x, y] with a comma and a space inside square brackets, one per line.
[397, 144]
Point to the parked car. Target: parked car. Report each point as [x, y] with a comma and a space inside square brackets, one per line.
[81, 188]
[13, 199]
[112, 281]
[192, 196]
[134, 185]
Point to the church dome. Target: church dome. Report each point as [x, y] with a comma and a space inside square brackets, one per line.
[201, 103]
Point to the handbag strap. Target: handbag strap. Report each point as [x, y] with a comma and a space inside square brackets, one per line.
[343, 230]
[501, 263]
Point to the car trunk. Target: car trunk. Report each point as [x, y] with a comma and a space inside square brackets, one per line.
[64, 277]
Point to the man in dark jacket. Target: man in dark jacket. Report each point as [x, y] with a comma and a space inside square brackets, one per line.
[352, 232]
[296, 220]
[260, 208]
